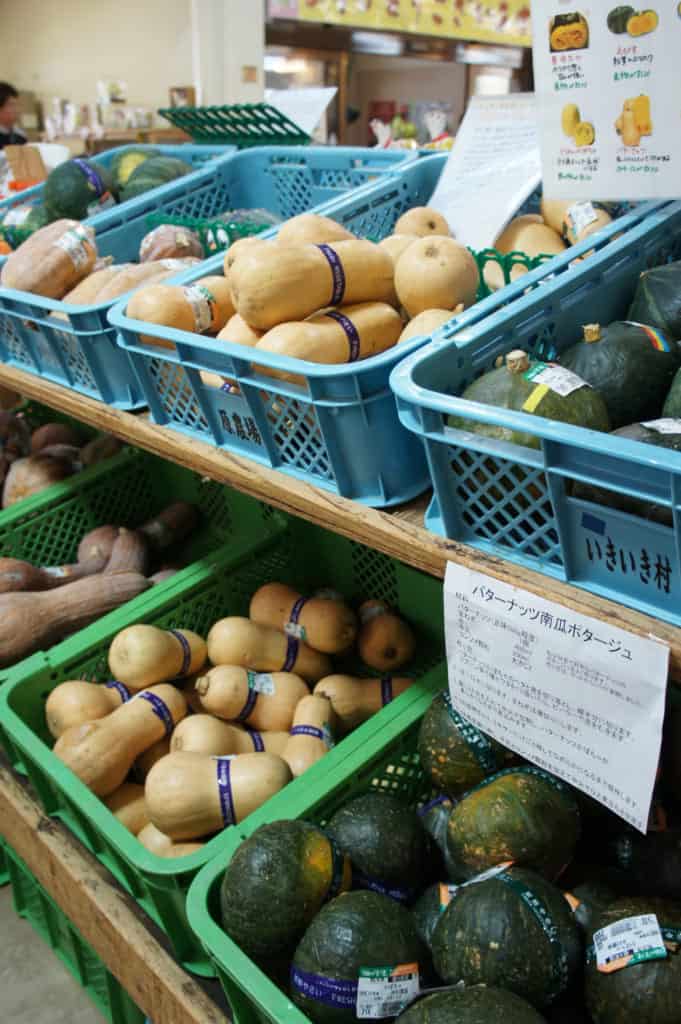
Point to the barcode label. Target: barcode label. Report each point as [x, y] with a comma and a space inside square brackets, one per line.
[384, 991]
[627, 942]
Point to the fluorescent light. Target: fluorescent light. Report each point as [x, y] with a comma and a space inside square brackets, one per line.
[378, 43]
[284, 65]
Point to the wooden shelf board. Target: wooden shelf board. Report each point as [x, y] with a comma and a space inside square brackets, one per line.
[397, 533]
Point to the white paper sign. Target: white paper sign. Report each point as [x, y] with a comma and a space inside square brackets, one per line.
[305, 107]
[492, 169]
[576, 696]
[606, 79]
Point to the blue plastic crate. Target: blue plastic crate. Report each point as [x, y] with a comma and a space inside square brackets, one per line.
[81, 352]
[538, 507]
[340, 430]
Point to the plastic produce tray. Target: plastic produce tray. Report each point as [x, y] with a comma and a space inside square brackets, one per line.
[243, 124]
[53, 926]
[520, 503]
[304, 556]
[81, 352]
[340, 429]
[388, 763]
[127, 490]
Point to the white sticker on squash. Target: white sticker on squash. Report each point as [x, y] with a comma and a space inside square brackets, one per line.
[563, 382]
[202, 303]
[667, 425]
[384, 991]
[17, 216]
[629, 941]
[261, 682]
[73, 242]
[580, 215]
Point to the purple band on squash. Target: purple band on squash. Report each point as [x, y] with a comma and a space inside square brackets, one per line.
[337, 273]
[120, 688]
[225, 791]
[160, 709]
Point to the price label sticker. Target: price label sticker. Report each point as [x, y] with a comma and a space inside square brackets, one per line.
[580, 216]
[295, 630]
[556, 378]
[384, 991]
[667, 425]
[261, 682]
[630, 941]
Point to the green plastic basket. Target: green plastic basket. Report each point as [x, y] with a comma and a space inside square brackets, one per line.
[53, 926]
[299, 554]
[239, 124]
[215, 235]
[387, 762]
[127, 490]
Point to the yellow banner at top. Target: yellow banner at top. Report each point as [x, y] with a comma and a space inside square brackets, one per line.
[485, 21]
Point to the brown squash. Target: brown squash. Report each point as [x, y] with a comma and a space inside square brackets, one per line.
[52, 260]
[327, 624]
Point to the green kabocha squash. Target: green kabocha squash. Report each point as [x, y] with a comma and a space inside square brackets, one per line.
[651, 863]
[630, 365]
[618, 18]
[356, 935]
[523, 815]
[657, 299]
[642, 993]
[523, 386]
[672, 403]
[435, 819]
[387, 845]
[453, 751]
[589, 899]
[429, 907]
[476, 1005]
[127, 161]
[275, 884]
[515, 931]
[156, 171]
[77, 189]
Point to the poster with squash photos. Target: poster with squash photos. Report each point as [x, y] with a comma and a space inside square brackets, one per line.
[608, 85]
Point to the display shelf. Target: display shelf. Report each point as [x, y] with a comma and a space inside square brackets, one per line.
[398, 533]
[107, 918]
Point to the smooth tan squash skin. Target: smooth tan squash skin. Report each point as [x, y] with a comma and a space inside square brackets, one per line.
[330, 625]
[172, 306]
[525, 235]
[321, 339]
[163, 846]
[312, 228]
[239, 332]
[422, 221]
[279, 284]
[427, 322]
[224, 691]
[238, 641]
[183, 796]
[395, 245]
[356, 700]
[385, 641]
[302, 751]
[41, 266]
[127, 803]
[146, 761]
[142, 655]
[76, 701]
[273, 741]
[204, 734]
[436, 273]
[102, 753]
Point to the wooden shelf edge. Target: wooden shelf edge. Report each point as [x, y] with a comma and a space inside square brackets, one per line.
[103, 914]
[393, 533]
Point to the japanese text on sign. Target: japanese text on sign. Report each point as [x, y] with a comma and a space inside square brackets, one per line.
[576, 696]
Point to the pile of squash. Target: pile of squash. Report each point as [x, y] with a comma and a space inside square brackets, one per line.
[490, 890]
[192, 735]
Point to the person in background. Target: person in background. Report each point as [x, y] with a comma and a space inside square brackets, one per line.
[10, 135]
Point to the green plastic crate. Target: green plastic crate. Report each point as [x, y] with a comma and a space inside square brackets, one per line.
[4, 870]
[53, 926]
[388, 762]
[127, 490]
[215, 234]
[241, 124]
[302, 555]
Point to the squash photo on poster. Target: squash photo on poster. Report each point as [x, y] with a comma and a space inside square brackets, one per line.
[628, 21]
[568, 32]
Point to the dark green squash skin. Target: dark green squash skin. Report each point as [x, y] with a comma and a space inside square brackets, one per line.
[645, 993]
[267, 899]
[427, 911]
[157, 170]
[476, 1005]
[657, 300]
[618, 18]
[672, 403]
[632, 376]
[506, 390]
[517, 816]
[384, 840]
[357, 929]
[456, 760]
[594, 896]
[651, 863]
[435, 819]
[68, 193]
[489, 935]
[121, 158]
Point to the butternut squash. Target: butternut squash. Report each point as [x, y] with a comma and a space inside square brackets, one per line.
[127, 803]
[191, 695]
[102, 753]
[203, 307]
[524, 234]
[31, 621]
[385, 641]
[631, 134]
[325, 624]
[143, 655]
[52, 260]
[395, 245]
[163, 846]
[436, 273]
[312, 228]
[204, 734]
[241, 246]
[146, 761]
[238, 641]
[134, 275]
[265, 700]
[251, 741]
[427, 322]
[422, 221]
[193, 795]
[355, 700]
[559, 215]
[311, 734]
[181, 849]
[275, 284]
[76, 701]
[85, 293]
[239, 332]
[338, 336]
